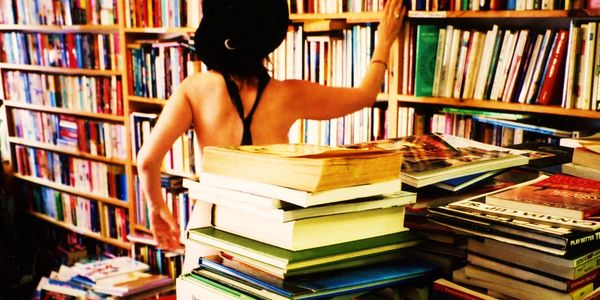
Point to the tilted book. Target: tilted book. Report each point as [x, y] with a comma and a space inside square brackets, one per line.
[432, 158]
[558, 195]
[302, 166]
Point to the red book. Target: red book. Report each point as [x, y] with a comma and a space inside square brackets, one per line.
[559, 195]
[550, 90]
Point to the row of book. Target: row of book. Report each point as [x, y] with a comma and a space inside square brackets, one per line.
[67, 50]
[183, 157]
[80, 93]
[61, 12]
[94, 177]
[157, 68]
[161, 13]
[175, 196]
[361, 126]
[585, 161]
[339, 58]
[103, 277]
[98, 138]
[161, 261]
[494, 5]
[89, 215]
[334, 6]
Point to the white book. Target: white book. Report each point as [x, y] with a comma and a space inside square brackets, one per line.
[448, 88]
[595, 101]
[472, 64]
[587, 66]
[445, 60]
[515, 65]
[486, 59]
[504, 58]
[461, 64]
[439, 60]
[297, 197]
[540, 64]
[530, 68]
[571, 66]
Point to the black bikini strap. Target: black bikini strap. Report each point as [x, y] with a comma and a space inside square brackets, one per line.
[234, 94]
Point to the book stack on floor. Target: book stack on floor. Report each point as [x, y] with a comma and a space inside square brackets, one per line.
[537, 241]
[586, 161]
[301, 222]
[103, 278]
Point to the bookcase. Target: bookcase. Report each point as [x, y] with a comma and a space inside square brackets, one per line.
[83, 85]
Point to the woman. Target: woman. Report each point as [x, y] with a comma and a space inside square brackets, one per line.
[237, 103]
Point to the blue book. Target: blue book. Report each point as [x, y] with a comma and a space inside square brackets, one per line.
[327, 284]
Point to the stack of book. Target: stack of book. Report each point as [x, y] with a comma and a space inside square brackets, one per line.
[301, 222]
[102, 278]
[536, 241]
[586, 161]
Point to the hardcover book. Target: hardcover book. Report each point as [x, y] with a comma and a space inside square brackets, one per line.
[432, 158]
[304, 167]
[284, 262]
[558, 195]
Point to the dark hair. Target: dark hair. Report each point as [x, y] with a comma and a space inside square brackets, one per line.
[235, 37]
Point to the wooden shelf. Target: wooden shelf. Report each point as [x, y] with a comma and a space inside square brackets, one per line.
[361, 17]
[176, 173]
[59, 70]
[142, 228]
[144, 100]
[159, 30]
[505, 14]
[106, 117]
[72, 190]
[496, 105]
[88, 233]
[60, 28]
[62, 150]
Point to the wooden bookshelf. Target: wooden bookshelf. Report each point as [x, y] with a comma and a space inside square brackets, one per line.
[66, 111]
[143, 100]
[74, 191]
[59, 70]
[160, 30]
[142, 228]
[357, 17]
[94, 235]
[505, 106]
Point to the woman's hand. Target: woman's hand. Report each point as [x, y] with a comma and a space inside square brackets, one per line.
[391, 22]
[164, 227]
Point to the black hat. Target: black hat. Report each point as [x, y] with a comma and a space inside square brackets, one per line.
[235, 33]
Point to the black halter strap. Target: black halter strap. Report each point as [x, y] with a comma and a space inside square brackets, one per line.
[234, 94]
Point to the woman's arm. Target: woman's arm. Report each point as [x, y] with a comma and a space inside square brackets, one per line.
[322, 102]
[175, 118]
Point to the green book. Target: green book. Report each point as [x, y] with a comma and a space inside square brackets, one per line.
[427, 42]
[245, 248]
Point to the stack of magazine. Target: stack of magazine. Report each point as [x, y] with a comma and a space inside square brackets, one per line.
[301, 222]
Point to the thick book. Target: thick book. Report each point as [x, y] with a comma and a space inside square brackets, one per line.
[302, 166]
[328, 284]
[568, 267]
[585, 157]
[313, 232]
[581, 171]
[274, 196]
[285, 262]
[131, 283]
[558, 195]
[427, 43]
[444, 289]
[432, 158]
[537, 276]
[550, 239]
[190, 287]
[264, 206]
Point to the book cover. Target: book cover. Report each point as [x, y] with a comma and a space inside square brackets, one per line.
[302, 166]
[583, 156]
[432, 158]
[109, 267]
[559, 195]
[581, 171]
[427, 43]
